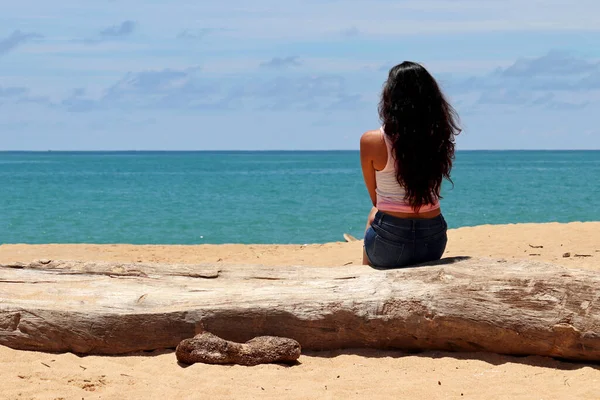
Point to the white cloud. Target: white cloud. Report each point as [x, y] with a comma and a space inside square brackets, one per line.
[556, 80]
[282, 62]
[193, 34]
[125, 28]
[16, 39]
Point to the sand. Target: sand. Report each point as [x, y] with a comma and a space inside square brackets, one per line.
[348, 374]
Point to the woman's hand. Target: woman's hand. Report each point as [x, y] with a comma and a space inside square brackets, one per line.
[371, 217]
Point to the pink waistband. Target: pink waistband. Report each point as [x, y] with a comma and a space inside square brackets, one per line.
[384, 205]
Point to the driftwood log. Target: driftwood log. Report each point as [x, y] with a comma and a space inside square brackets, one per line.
[210, 349]
[509, 307]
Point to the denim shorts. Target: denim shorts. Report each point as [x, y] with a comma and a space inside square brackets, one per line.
[392, 242]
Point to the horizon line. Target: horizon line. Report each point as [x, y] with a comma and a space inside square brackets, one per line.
[255, 150]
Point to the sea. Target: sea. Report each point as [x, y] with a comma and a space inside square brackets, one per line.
[279, 197]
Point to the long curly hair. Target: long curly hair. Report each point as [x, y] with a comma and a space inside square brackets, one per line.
[422, 126]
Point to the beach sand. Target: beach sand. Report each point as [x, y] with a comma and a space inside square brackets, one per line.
[348, 374]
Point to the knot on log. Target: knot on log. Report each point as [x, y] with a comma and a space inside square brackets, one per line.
[211, 349]
[10, 322]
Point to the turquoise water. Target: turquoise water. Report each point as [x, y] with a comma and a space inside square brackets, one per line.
[265, 197]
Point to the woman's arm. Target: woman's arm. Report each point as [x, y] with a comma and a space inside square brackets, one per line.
[368, 142]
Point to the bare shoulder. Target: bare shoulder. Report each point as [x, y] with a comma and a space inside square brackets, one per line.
[371, 138]
[374, 149]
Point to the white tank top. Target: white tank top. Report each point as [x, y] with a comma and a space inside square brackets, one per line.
[390, 195]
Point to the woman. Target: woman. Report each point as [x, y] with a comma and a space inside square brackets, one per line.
[404, 163]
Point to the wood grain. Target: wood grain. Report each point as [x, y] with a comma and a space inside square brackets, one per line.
[509, 307]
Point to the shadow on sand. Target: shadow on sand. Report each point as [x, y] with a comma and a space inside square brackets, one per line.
[489, 358]
[443, 261]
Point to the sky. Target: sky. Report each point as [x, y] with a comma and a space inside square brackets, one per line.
[291, 75]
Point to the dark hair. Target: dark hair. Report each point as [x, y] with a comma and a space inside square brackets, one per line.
[422, 126]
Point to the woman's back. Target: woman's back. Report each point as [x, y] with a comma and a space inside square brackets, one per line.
[391, 195]
[404, 163]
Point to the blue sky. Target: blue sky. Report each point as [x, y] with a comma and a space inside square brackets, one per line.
[272, 74]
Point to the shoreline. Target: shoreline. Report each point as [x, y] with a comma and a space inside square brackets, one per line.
[580, 239]
[522, 224]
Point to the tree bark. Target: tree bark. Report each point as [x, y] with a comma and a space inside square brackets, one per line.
[460, 304]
